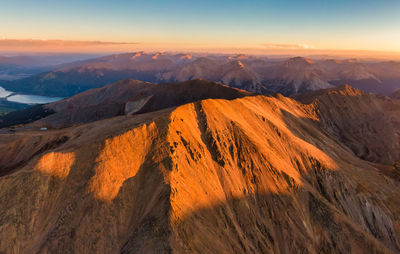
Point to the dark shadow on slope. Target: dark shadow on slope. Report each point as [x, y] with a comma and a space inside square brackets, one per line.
[116, 99]
[358, 120]
[70, 83]
[149, 230]
[175, 94]
[368, 150]
[206, 136]
[21, 157]
[387, 85]
[323, 181]
[25, 116]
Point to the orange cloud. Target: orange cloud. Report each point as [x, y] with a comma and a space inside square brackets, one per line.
[97, 46]
[35, 45]
[288, 46]
[62, 43]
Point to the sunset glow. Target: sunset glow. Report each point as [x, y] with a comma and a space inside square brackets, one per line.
[262, 27]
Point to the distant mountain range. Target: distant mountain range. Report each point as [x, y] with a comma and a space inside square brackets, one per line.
[17, 67]
[255, 74]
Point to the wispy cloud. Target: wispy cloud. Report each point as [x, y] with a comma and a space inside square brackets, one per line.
[288, 46]
[58, 43]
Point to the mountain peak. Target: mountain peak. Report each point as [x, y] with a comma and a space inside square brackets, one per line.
[298, 61]
[236, 63]
[138, 54]
[345, 89]
[186, 56]
[157, 55]
[332, 61]
[238, 57]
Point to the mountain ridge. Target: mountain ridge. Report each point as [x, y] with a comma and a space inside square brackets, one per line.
[250, 174]
[125, 97]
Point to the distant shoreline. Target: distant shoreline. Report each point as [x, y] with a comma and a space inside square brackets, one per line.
[29, 99]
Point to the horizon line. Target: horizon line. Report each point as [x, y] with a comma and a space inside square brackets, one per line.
[32, 46]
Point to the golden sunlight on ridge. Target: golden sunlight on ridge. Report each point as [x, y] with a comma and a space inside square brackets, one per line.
[57, 164]
[228, 152]
[120, 159]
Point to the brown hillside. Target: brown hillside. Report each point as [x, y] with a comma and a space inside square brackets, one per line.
[249, 175]
[132, 97]
[366, 123]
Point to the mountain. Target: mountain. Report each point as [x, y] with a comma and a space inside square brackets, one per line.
[373, 77]
[396, 95]
[132, 97]
[199, 68]
[297, 75]
[77, 77]
[255, 74]
[238, 174]
[125, 97]
[233, 73]
[370, 132]
[236, 74]
[17, 67]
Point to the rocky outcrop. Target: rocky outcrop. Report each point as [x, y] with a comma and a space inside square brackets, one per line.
[132, 107]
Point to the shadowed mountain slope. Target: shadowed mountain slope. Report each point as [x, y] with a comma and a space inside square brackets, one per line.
[396, 95]
[249, 175]
[366, 123]
[126, 97]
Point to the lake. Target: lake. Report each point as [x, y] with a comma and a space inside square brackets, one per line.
[4, 92]
[26, 98]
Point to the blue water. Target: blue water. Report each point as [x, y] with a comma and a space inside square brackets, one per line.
[32, 99]
[26, 98]
[4, 92]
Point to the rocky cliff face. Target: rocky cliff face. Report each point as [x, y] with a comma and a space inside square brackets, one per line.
[249, 175]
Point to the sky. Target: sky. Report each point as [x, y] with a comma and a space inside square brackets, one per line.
[220, 25]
